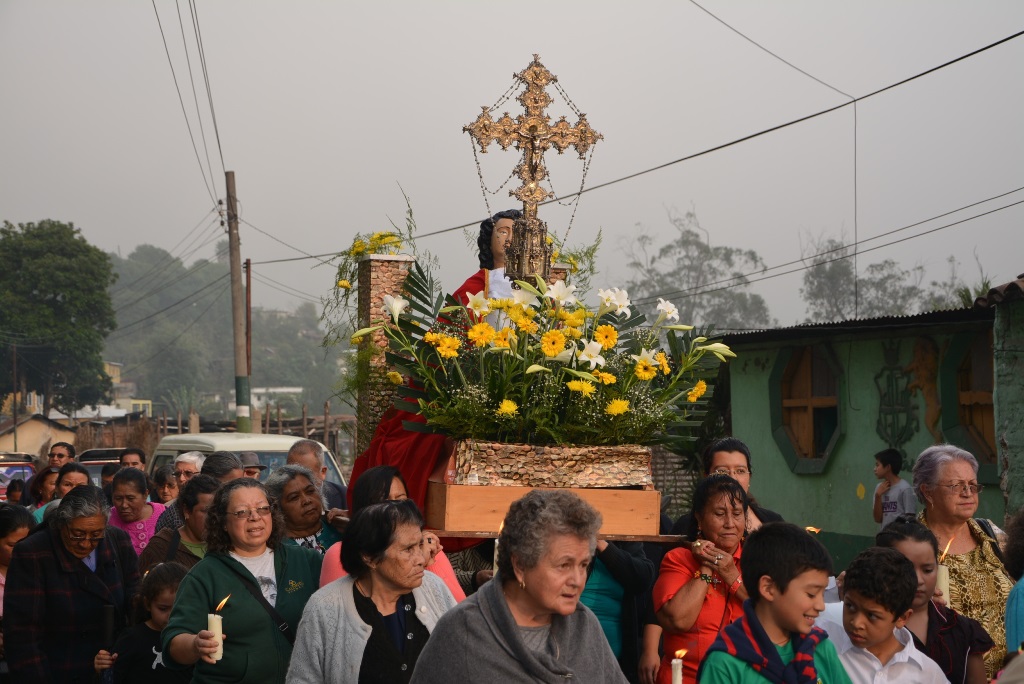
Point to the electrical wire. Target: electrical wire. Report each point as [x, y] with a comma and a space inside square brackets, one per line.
[195, 98]
[293, 247]
[166, 310]
[181, 100]
[286, 289]
[176, 338]
[206, 79]
[164, 286]
[166, 260]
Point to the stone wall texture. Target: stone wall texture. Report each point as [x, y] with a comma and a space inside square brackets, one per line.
[526, 465]
[1008, 397]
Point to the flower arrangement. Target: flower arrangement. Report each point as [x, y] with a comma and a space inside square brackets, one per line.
[542, 367]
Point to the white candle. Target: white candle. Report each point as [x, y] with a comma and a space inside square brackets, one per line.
[677, 671]
[215, 623]
[494, 570]
[942, 582]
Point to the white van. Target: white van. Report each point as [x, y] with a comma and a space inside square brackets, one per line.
[272, 450]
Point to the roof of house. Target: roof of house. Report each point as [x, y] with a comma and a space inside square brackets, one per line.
[1007, 292]
[7, 424]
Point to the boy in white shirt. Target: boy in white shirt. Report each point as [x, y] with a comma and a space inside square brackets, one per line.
[873, 643]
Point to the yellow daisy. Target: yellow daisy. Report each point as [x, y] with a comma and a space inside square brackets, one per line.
[432, 338]
[504, 338]
[616, 407]
[395, 377]
[697, 392]
[574, 333]
[448, 347]
[576, 318]
[507, 409]
[344, 284]
[526, 325]
[606, 335]
[663, 362]
[552, 343]
[644, 370]
[582, 386]
[481, 334]
[604, 378]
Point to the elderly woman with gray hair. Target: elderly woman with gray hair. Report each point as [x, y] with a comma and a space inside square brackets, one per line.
[294, 490]
[527, 624]
[946, 482]
[69, 590]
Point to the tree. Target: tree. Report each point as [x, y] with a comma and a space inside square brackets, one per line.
[689, 271]
[55, 306]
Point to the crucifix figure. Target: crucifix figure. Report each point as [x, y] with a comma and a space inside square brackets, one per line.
[532, 133]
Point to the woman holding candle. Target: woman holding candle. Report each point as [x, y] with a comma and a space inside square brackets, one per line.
[527, 624]
[699, 589]
[371, 625]
[946, 482]
[293, 489]
[249, 584]
[132, 513]
[69, 587]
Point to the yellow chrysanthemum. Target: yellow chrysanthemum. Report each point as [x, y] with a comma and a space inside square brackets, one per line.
[448, 347]
[481, 334]
[395, 377]
[500, 304]
[606, 335]
[507, 409]
[604, 378]
[358, 247]
[526, 325]
[616, 407]
[432, 338]
[576, 318]
[582, 386]
[697, 392]
[663, 362]
[573, 333]
[344, 284]
[552, 343]
[644, 370]
[573, 264]
[503, 338]
[356, 339]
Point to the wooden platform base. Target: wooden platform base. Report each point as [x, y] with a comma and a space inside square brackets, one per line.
[626, 512]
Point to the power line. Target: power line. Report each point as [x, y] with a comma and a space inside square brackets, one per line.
[302, 258]
[162, 264]
[289, 246]
[167, 309]
[688, 292]
[206, 79]
[176, 338]
[163, 286]
[286, 289]
[182, 101]
[195, 98]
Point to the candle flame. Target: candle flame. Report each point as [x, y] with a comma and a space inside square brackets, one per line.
[221, 604]
[946, 550]
[681, 653]
[814, 530]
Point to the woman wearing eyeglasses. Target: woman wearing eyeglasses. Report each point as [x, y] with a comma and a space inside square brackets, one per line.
[69, 589]
[946, 482]
[268, 583]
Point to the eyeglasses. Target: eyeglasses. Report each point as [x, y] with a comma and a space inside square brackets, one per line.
[735, 472]
[77, 536]
[184, 474]
[246, 513]
[963, 487]
[52, 455]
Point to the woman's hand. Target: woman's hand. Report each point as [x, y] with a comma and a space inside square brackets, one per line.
[104, 660]
[717, 560]
[431, 547]
[338, 519]
[205, 644]
[650, 659]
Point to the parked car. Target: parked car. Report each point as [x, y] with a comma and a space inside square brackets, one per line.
[272, 450]
[14, 465]
[95, 459]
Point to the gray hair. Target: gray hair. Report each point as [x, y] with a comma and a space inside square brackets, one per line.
[195, 458]
[304, 446]
[84, 501]
[930, 462]
[531, 522]
[282, 475]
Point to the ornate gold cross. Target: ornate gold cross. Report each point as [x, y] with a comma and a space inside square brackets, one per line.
[532, 134]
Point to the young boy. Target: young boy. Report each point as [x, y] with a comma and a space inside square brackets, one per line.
[893, 496]
[873, 643]
[785, 571]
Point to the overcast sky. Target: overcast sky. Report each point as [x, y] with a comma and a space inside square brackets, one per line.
[325, 108]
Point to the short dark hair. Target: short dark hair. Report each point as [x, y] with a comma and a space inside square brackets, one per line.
[884, 576]
[196, 485]
[711, 487]
[131, 476]
[67, 445]
[110, 469]
[133, 450]
[14, 517]
[906, 528]
[163, 475]
[483, 239]
[40, 479]
[15, 485]
[159, 578]
[372, 530]
[781, 551]
[892, 458]
[72, 467]
[724, 444]
[217, 538]
[219, 464]
[374, 486]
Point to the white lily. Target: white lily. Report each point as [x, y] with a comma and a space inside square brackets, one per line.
[478, 304]
[565, 356]
[561, 293]
[591, 353]
[718, 349]
[645, 355]
[394, 306]
[614, 300]
[668, 309]
[525, 298]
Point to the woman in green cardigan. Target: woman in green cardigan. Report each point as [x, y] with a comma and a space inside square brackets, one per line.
[247, 564]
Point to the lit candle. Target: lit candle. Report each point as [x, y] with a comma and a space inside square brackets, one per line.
[500, 528]
[813, 530]
[215, 623]
[677, 667]
[942, 575]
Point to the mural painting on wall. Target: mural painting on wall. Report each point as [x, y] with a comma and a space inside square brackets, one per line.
[924, 368]
[897, 412]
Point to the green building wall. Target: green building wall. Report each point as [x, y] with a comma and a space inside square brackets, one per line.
[1008, 340]
[839, 499]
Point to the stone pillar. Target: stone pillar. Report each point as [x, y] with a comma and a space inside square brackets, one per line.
[379, 275]
[1008, 397]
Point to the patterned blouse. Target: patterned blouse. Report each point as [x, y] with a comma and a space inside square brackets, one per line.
[979, 586]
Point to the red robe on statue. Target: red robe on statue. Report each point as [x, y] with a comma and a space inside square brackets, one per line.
[415, 454]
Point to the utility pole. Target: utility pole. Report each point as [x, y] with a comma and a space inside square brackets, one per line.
[248, 316]
[242, 420]
[17, 396]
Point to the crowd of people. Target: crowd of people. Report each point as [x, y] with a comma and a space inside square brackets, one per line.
[220, 577]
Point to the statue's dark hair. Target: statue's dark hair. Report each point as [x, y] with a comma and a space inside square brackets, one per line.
[483, 240]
